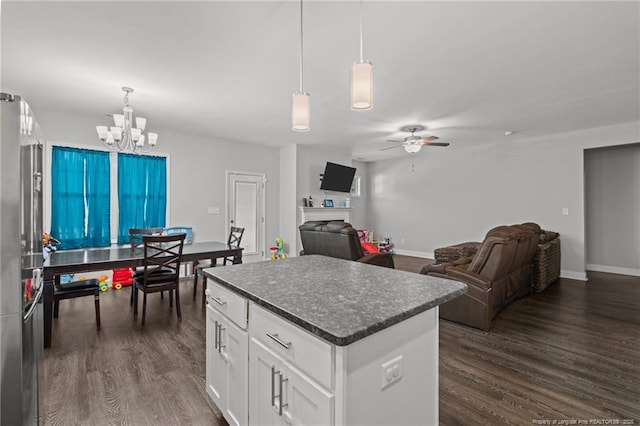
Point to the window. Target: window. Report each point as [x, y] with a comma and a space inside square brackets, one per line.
[80, 189]
[82, 195]
[355, 186]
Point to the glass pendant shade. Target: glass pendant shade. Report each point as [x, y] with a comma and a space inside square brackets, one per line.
[118, 120]
[362, 86]
[153, 138]
[412, 149]
[301, 112]
[109, 139]
[102, 132]
[141, 123]
[135, 134]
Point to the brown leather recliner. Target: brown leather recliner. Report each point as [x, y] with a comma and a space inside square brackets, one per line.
[498, 274]
[338, 239]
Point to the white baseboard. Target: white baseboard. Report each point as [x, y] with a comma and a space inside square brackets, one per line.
[414, 253]
[613, 270]
[573, 275]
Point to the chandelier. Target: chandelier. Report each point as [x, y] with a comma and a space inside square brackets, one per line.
[123, 136]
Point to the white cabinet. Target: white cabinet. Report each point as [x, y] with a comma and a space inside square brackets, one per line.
[265, 370]
[281, 394]
[227, 361]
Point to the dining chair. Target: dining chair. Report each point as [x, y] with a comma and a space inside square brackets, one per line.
[163, 253]
[235, 237]
[135, 240]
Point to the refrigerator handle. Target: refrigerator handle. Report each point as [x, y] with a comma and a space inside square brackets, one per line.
[37, 279]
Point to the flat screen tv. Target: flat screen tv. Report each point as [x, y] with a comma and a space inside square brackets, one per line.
[337, 177]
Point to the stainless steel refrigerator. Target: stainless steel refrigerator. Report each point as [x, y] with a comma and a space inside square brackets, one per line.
[21, 318]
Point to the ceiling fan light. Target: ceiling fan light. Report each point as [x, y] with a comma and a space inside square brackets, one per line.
[412, 149]
[362, 86]
[301, 112]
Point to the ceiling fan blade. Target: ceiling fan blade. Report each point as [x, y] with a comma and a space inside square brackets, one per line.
[438, 144]
[391, 140]
[427, 140]
[391, 147]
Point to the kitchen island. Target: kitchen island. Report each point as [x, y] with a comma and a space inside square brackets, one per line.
[318, 340]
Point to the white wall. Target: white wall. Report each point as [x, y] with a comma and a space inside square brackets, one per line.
[288, 198]
[311, 161]
[197, 167]
[457, 195]
[612, 188]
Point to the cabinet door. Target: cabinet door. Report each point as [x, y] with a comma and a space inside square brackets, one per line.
[234, 344]
[265, 369]
[216, 375]
[308, 402]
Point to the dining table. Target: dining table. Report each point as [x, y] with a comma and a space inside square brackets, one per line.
[114, 257]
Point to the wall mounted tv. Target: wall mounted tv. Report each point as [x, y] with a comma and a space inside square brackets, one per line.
[337, 177]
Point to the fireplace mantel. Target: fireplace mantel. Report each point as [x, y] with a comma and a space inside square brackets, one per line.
[325, 213]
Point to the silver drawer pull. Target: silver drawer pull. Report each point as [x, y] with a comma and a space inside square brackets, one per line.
[215, 340]
[273, 380]
[278, 341]
[219, 301]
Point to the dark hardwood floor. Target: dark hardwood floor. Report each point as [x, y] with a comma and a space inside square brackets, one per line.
[570, 353]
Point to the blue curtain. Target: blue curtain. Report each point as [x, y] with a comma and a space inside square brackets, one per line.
[98, 199]
[80, 192]
[142, 193]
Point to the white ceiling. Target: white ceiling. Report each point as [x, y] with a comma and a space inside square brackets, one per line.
[469, 71]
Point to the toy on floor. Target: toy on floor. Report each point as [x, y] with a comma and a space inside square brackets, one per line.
[280, 254]
[274, 252]
[102, 283]
[121, 277]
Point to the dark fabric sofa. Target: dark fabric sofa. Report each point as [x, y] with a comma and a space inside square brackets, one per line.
[338, 239]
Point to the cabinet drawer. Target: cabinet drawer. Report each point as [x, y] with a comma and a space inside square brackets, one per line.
[228, 303]
[308, 353]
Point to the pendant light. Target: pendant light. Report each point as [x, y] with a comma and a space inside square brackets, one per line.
[301, 107]
[361, 79]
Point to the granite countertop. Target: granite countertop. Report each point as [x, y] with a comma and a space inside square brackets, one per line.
[338, 300]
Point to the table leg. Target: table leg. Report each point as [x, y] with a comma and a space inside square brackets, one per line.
[47, 299]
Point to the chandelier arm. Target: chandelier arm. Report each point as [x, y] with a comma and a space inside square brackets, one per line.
[139, 150]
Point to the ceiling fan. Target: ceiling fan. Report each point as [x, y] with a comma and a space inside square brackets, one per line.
[413, 143]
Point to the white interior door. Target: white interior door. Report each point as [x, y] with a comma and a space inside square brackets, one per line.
[245, 209]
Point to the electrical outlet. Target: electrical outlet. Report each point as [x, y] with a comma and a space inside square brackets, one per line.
[391, 372]
[565, 211]
[402, 240]
[213, 210]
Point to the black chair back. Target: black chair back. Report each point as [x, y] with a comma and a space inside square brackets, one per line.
[163, 253]
[235, 236]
